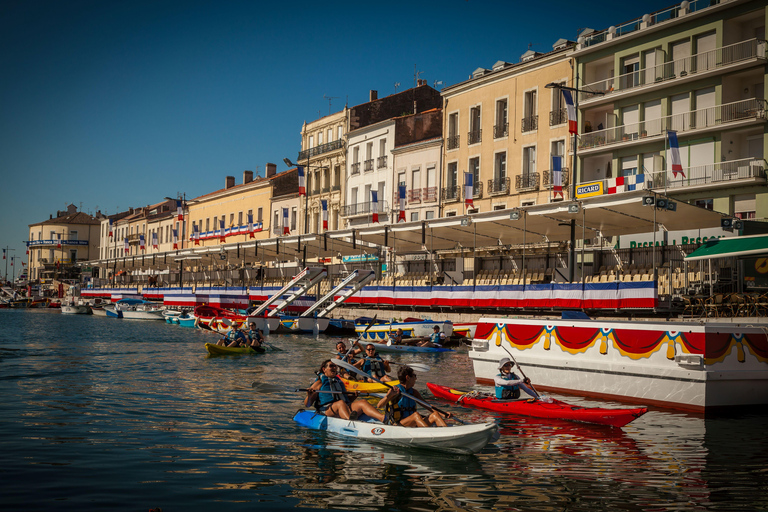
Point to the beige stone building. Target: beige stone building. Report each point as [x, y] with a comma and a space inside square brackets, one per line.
[502, 125]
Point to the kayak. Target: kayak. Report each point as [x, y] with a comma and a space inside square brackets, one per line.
[464, 439]
[383, 347]
[549, 408]
[368, 387]
[218, 350]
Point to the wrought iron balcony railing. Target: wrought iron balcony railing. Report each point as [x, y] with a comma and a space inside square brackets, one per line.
[368, 165]
[477, 190]
[718, 172]
[452, 141]
[530, 124]
[350, 210]
[381, 162]
[475, 137]
[500, 130]
[451, 193]
[547, 177]
[498, 186]
[355, 168]
[558, 116]
[319, 150]
[429, 194]
[528, 181]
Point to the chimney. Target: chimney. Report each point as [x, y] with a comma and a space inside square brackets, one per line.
[229, 182]
[271, 170]
[247, 177]
[373, 95]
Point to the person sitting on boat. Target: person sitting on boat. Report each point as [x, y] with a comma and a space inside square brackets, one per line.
[397, 338]
[434, 341]
[373, 364]
[402, 409]
[348, 356]
[508, 384]
[329, 397]
[255, 337]
[234, 338]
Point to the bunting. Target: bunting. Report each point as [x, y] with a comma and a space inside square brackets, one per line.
[196, 234]
[222, 236]
[110, 228]
[58, 240]
[179, 210]
[250, 225]
[141, 242]
[175, 238]
[154, 240]
[127, 248]
[571, 108]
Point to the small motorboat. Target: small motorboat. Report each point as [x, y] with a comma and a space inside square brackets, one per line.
[74, 306]
[135, 309]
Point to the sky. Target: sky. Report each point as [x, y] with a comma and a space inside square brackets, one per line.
[115, 104]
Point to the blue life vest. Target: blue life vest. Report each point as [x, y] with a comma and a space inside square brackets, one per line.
[508, 391]
[336, 386]
[406, 404]
[374, 366]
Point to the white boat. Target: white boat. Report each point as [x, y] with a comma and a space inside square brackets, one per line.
[411, 329]
[685, 365]
[73, 306]
[464, 439]
[135, 309]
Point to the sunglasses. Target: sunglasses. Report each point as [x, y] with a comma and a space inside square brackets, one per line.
[331, 367]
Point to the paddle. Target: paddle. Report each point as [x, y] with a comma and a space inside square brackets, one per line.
[415, 366]
[530, 385]
[417, 400]
[373, 321]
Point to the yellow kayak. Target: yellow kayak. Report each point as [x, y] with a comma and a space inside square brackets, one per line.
[368, 387]
[218, 350]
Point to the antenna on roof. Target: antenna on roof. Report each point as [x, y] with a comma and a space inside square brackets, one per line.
[416, 74]
[436, 83]
[397, 84]
[329, 98]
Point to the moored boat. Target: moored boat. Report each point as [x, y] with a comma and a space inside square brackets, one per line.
[218, 350]
[212, 317]
[462, 439]
[549, 408]
[73, 306]
[383, 347]
[411, 329]
[135, 309]
[340, 327]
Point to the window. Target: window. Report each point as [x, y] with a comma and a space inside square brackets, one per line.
[207, 226]
[501, 129]
[452, 174]
[353, 195]
[744, 206]
[451, 213]
[414, 216]
[293, 218]
[529, 160]
[382, 147]
[557, 148]
[453, 131]
[630, 67]
[416, 179]
[231, 219]
[558, 113]
[500, 166]
[430, 214]
[498, 207]
[319, 138]
[311, 141]
[239, 218]
[704, 203]
[73, 235]
[337, 176]
[475, 132]
[474, 168]
[473, 210]
[530, 111]
[401, 178]
[276, 222]
[259, 214]
[629, 165]
[340, 132]
[530, 202]
[356, 155]
[330, 134]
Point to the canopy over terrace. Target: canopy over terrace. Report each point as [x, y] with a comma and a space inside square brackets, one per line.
[730, 247]
[600, 216]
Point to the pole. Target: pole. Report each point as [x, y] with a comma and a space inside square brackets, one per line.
[575, 141]
[572, 252]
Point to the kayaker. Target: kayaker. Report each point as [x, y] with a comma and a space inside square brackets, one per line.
[234, 338]
[374, 365]
[397, 338]
[402, 409]
[348, 356]
[329, 397]
[255, 337]
[434, 340]
[508, 384]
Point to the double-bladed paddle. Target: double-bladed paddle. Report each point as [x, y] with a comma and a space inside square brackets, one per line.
[521, 371]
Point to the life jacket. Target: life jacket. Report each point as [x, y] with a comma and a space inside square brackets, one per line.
[503, 392]
[404, 407]
[374, 366]
[346, 358]
[338, 392]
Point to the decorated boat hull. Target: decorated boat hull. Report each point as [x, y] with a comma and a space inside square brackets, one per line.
[383, 347]
[410, 329]
[684, 365]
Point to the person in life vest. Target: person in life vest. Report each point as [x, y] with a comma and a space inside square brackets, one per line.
[508, 384]
[434, 340]
[374, 365]
[255, 337]
[329, 397]
[402, 409]
[234, 338]
[348, 357]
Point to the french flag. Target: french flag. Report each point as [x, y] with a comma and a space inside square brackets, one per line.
[154, 239]
[110, 228]
[179, 210]
[141, 242]
[374, 206]
[222, 236]
[324, 202]
[469, 188]
[250, 224]
[58, 241]
[196, 233]
[126, 245]
[401, 195]
[302, 182]
[569, 105]
[175, 238]
[674, 154]
[557, 176]
[286, 226]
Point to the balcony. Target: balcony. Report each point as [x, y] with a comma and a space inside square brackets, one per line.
[325, 190]
[477, 191]
[451, 194]
[452, 141]
[414, 195]
[527, 182]
[746, 110]
[429, 194]
[475, 137]
[319, 150]
[352, 210]
[547, 177]
[368, 165]
[529, 124]
[355, 168]
[334, 188]
[498, 186]
[501, 130]
[719, 172]
[719, 58]
[381, 162]
[559, 116]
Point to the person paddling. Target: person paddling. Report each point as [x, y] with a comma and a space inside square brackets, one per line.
[402, 409]
[330, 398]
[374, 365]
[234, 338]
[508, 384]
[256, 337]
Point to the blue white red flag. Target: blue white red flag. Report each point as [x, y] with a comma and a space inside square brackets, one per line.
[250, 225]
[324, 202]
[141, 242]
[179, 210]
[374, 206]
[571, 108]
[154, 239]
[674, 154]
[557, 176]
[302, 182]
[127, 248]
[401, 198]
[110, 228]
[222, 236]
[469, 188]
[58, 241]
[175, 238]
[196, 234]
[286, 226]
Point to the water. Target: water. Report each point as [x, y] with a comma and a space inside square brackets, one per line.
[104, 414]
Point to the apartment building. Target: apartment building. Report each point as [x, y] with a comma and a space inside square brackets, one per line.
[153, 223]
[323, 157]
[697, 69]
[502, 126]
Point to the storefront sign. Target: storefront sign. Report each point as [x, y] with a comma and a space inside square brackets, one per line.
[592, 189]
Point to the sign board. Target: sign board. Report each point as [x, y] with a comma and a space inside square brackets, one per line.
[594, 188]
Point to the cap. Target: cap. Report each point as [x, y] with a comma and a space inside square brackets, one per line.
[505, 360]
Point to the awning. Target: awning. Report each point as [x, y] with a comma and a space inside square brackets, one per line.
[730, 247]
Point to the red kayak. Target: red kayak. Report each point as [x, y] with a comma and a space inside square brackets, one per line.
[549, 408]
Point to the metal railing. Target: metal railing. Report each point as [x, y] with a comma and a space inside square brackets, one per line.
[527, 181]
[718, 172]
[477, 190]
[368, 165]
[319, 150]
[687, 121]
[334, 188]
[452, 141]
[325, 190]
[699, 63]
[500, 130]
[429, 194]
[355, 168]
[529, 124]
[381, 162]
[451, 193]
[475, 136]
[350, 210]
[559, 116]
[414, 195]
[547, 177]
[498, 186]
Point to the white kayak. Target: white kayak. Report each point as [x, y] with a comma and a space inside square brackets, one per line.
[464, 439]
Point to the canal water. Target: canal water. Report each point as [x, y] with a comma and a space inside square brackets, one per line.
[104, 414]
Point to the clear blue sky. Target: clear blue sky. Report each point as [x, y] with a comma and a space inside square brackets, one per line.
[119, 103]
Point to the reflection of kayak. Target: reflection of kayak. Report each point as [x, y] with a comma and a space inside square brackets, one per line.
[550, 408]
[218, 350]
[454, 439]
[383, 347]
[368, 387]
